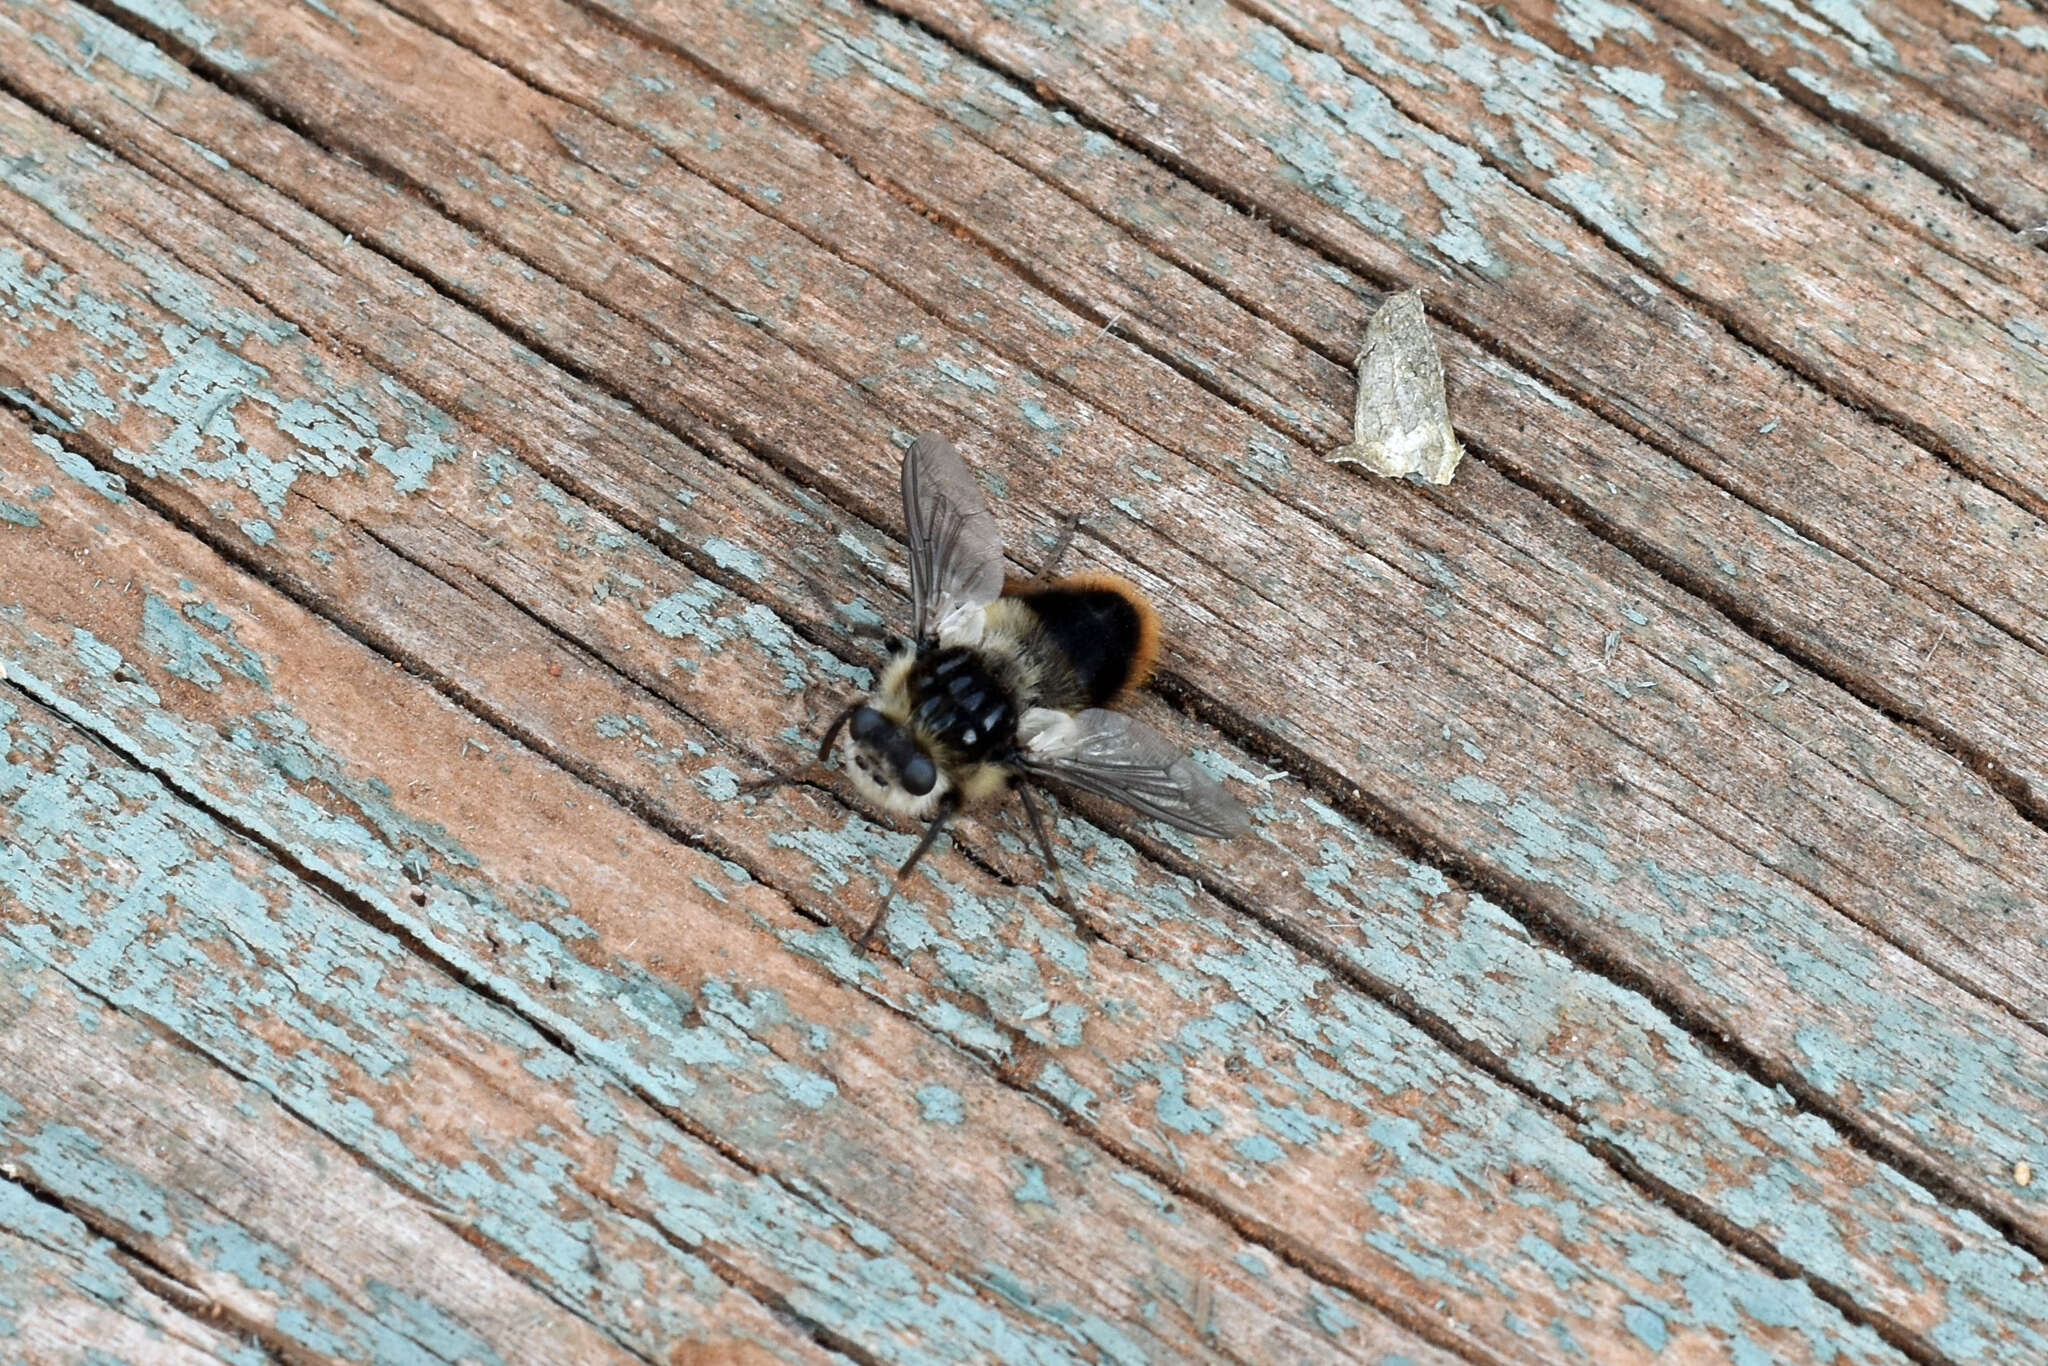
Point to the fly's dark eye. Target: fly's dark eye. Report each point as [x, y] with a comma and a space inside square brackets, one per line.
[919, 775]
[868, 725]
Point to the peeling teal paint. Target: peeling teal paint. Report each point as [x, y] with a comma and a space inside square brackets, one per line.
[1031, 1190]
[712, 616]
[740, 561]
[579, 983]
[187, 653]
[940, 1105]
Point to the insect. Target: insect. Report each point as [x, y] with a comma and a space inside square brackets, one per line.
[1006, 684]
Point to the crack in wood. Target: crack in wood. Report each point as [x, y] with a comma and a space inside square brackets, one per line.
[1653, 568]
[1328, 786]
[1529, 905]
[1310, 1264]
[130, 1248]
[1473, 329]
[1869, 406]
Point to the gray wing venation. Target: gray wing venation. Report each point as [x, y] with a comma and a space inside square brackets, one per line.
[1114, 756]
[956, 549]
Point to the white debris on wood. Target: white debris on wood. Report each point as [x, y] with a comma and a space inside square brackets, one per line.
[1400, 425]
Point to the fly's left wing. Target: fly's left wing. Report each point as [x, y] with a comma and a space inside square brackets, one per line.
[956, 550]
[1111, 755]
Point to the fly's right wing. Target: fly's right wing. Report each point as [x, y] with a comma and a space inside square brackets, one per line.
[956, 551]
[1111, 755]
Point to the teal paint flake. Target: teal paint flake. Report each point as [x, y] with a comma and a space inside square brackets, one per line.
[1327, 1316]
[1031, 1190]
[713, 617]
[1035, 413]
[190, 655]
[1258, 1148]
[719, 783]
[199, 381]
[939, 1104]
[967, 376]
[738, 559]
[1647, 1325]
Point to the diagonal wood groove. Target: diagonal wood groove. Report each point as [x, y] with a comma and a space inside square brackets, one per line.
[2007, 787]
[1283, 1246]
[1868, 405]
[414, 943]
[165, 1279]
[1182, 168]
[1335, 788]
[802, 476]
[136, 1259]
[1331, 788]
[1865, 130]
[2029, 805]
[1531, 907]
[359, 907]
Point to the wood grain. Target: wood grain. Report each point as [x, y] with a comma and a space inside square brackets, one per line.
[1735, 812]
[1469, 214]
[121, 1125]
[1678, 1155]
[781, 1064]
[1953, 90]
[1854, 603]
[510, 459]
[1154, 1074]
[69, 1297]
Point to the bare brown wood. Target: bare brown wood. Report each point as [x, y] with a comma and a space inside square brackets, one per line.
[829, 328]
[1257, 881]
[112, 1110]
[894, 1122]
[626, 613]
[1957, 105]
[70, 1297]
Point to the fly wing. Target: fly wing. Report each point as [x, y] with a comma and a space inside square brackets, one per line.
[1111, 755]
[956, 551]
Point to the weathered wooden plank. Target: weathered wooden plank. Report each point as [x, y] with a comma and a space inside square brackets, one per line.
[1954, 107]
[1708, 1132]
[543, 1151]
[1221, 86]
[1989, 57]
[67, 1298]
[1675, 1137]
[1887, 640]
[281, 1232]
[831, 314]
[1883, 906]
[439, 621]
[890, 1121]
[1769, 234]
[1185, 1081]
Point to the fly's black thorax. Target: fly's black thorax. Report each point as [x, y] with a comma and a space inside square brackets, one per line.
[959, 701]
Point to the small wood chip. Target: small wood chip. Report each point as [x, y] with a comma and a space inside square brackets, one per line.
[1400, 424]
[2022, 1174]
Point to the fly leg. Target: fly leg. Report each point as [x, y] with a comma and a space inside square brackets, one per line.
[784, 778]
[948, 806]
[1052, 863]
[1069, 524]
